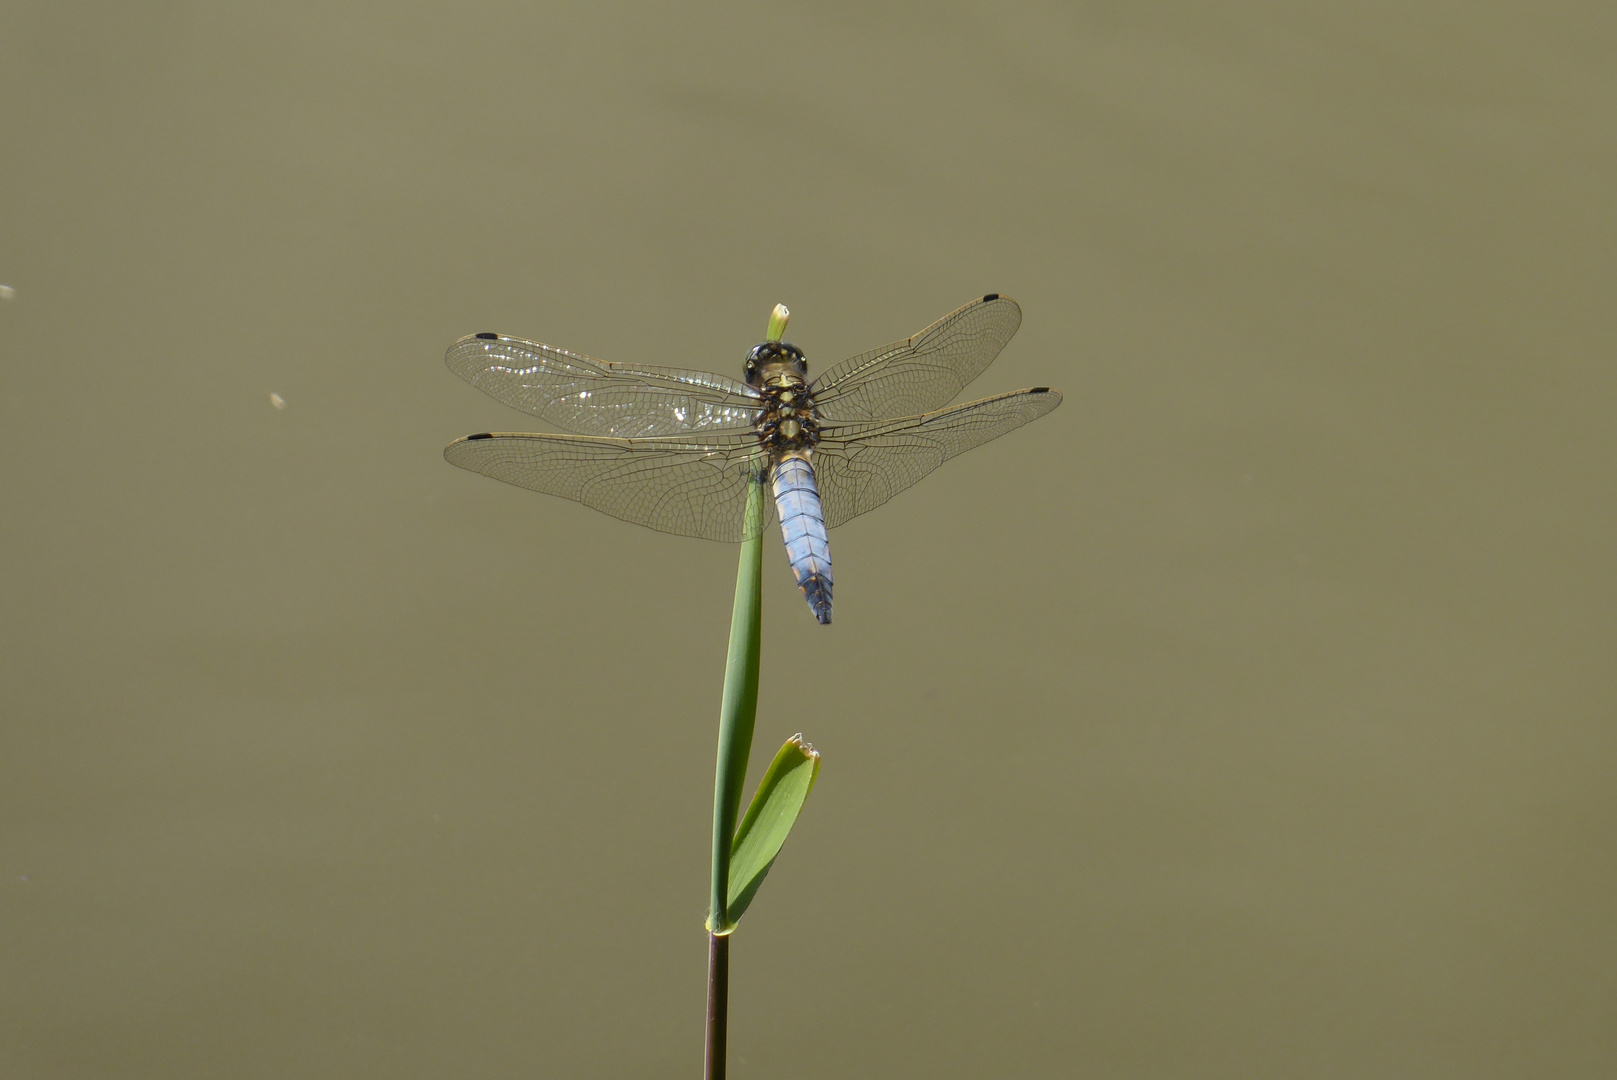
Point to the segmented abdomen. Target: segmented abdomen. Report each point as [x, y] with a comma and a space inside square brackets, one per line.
[802, 525]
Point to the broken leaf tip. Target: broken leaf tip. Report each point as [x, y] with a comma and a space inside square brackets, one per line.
[804, 745]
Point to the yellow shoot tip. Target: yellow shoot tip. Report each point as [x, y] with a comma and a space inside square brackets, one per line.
[777, 322]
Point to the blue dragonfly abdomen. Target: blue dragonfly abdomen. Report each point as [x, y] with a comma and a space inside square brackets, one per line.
[802, 526]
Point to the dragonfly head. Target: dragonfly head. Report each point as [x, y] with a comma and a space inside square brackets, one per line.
[776, 362]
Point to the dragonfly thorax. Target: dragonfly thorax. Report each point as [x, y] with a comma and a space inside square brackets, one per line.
[787, 423]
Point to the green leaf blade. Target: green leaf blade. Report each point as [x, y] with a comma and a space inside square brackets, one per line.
[774, 810]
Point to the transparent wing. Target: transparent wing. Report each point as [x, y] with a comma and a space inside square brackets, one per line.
[923, 372]
[693, 486]
[857, 467]
[594, 397]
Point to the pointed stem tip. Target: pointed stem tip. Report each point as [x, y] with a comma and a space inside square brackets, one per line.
[777, 322]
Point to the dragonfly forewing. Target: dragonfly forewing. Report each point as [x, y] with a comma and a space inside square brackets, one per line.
[923, 372]
[596, 397]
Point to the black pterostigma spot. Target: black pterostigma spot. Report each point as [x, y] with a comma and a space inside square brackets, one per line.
[487, 336]
[484, 435]
[991, 296]
[1039, 390]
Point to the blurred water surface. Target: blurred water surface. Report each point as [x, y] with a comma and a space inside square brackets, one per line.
[1251, 716]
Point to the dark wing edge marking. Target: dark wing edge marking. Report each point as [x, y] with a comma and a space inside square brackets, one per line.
[688, 487]
[858, 467]
[596, 397]
[925, 371]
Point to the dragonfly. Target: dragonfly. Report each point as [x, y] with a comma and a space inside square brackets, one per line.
[679, 451]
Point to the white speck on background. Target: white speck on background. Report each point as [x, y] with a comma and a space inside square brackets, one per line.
[277, 400]
[7, 292]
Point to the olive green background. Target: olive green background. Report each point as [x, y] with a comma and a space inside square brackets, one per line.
[1250, 716]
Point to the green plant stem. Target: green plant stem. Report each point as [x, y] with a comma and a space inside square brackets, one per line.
[737, 712]
[718, 1003]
